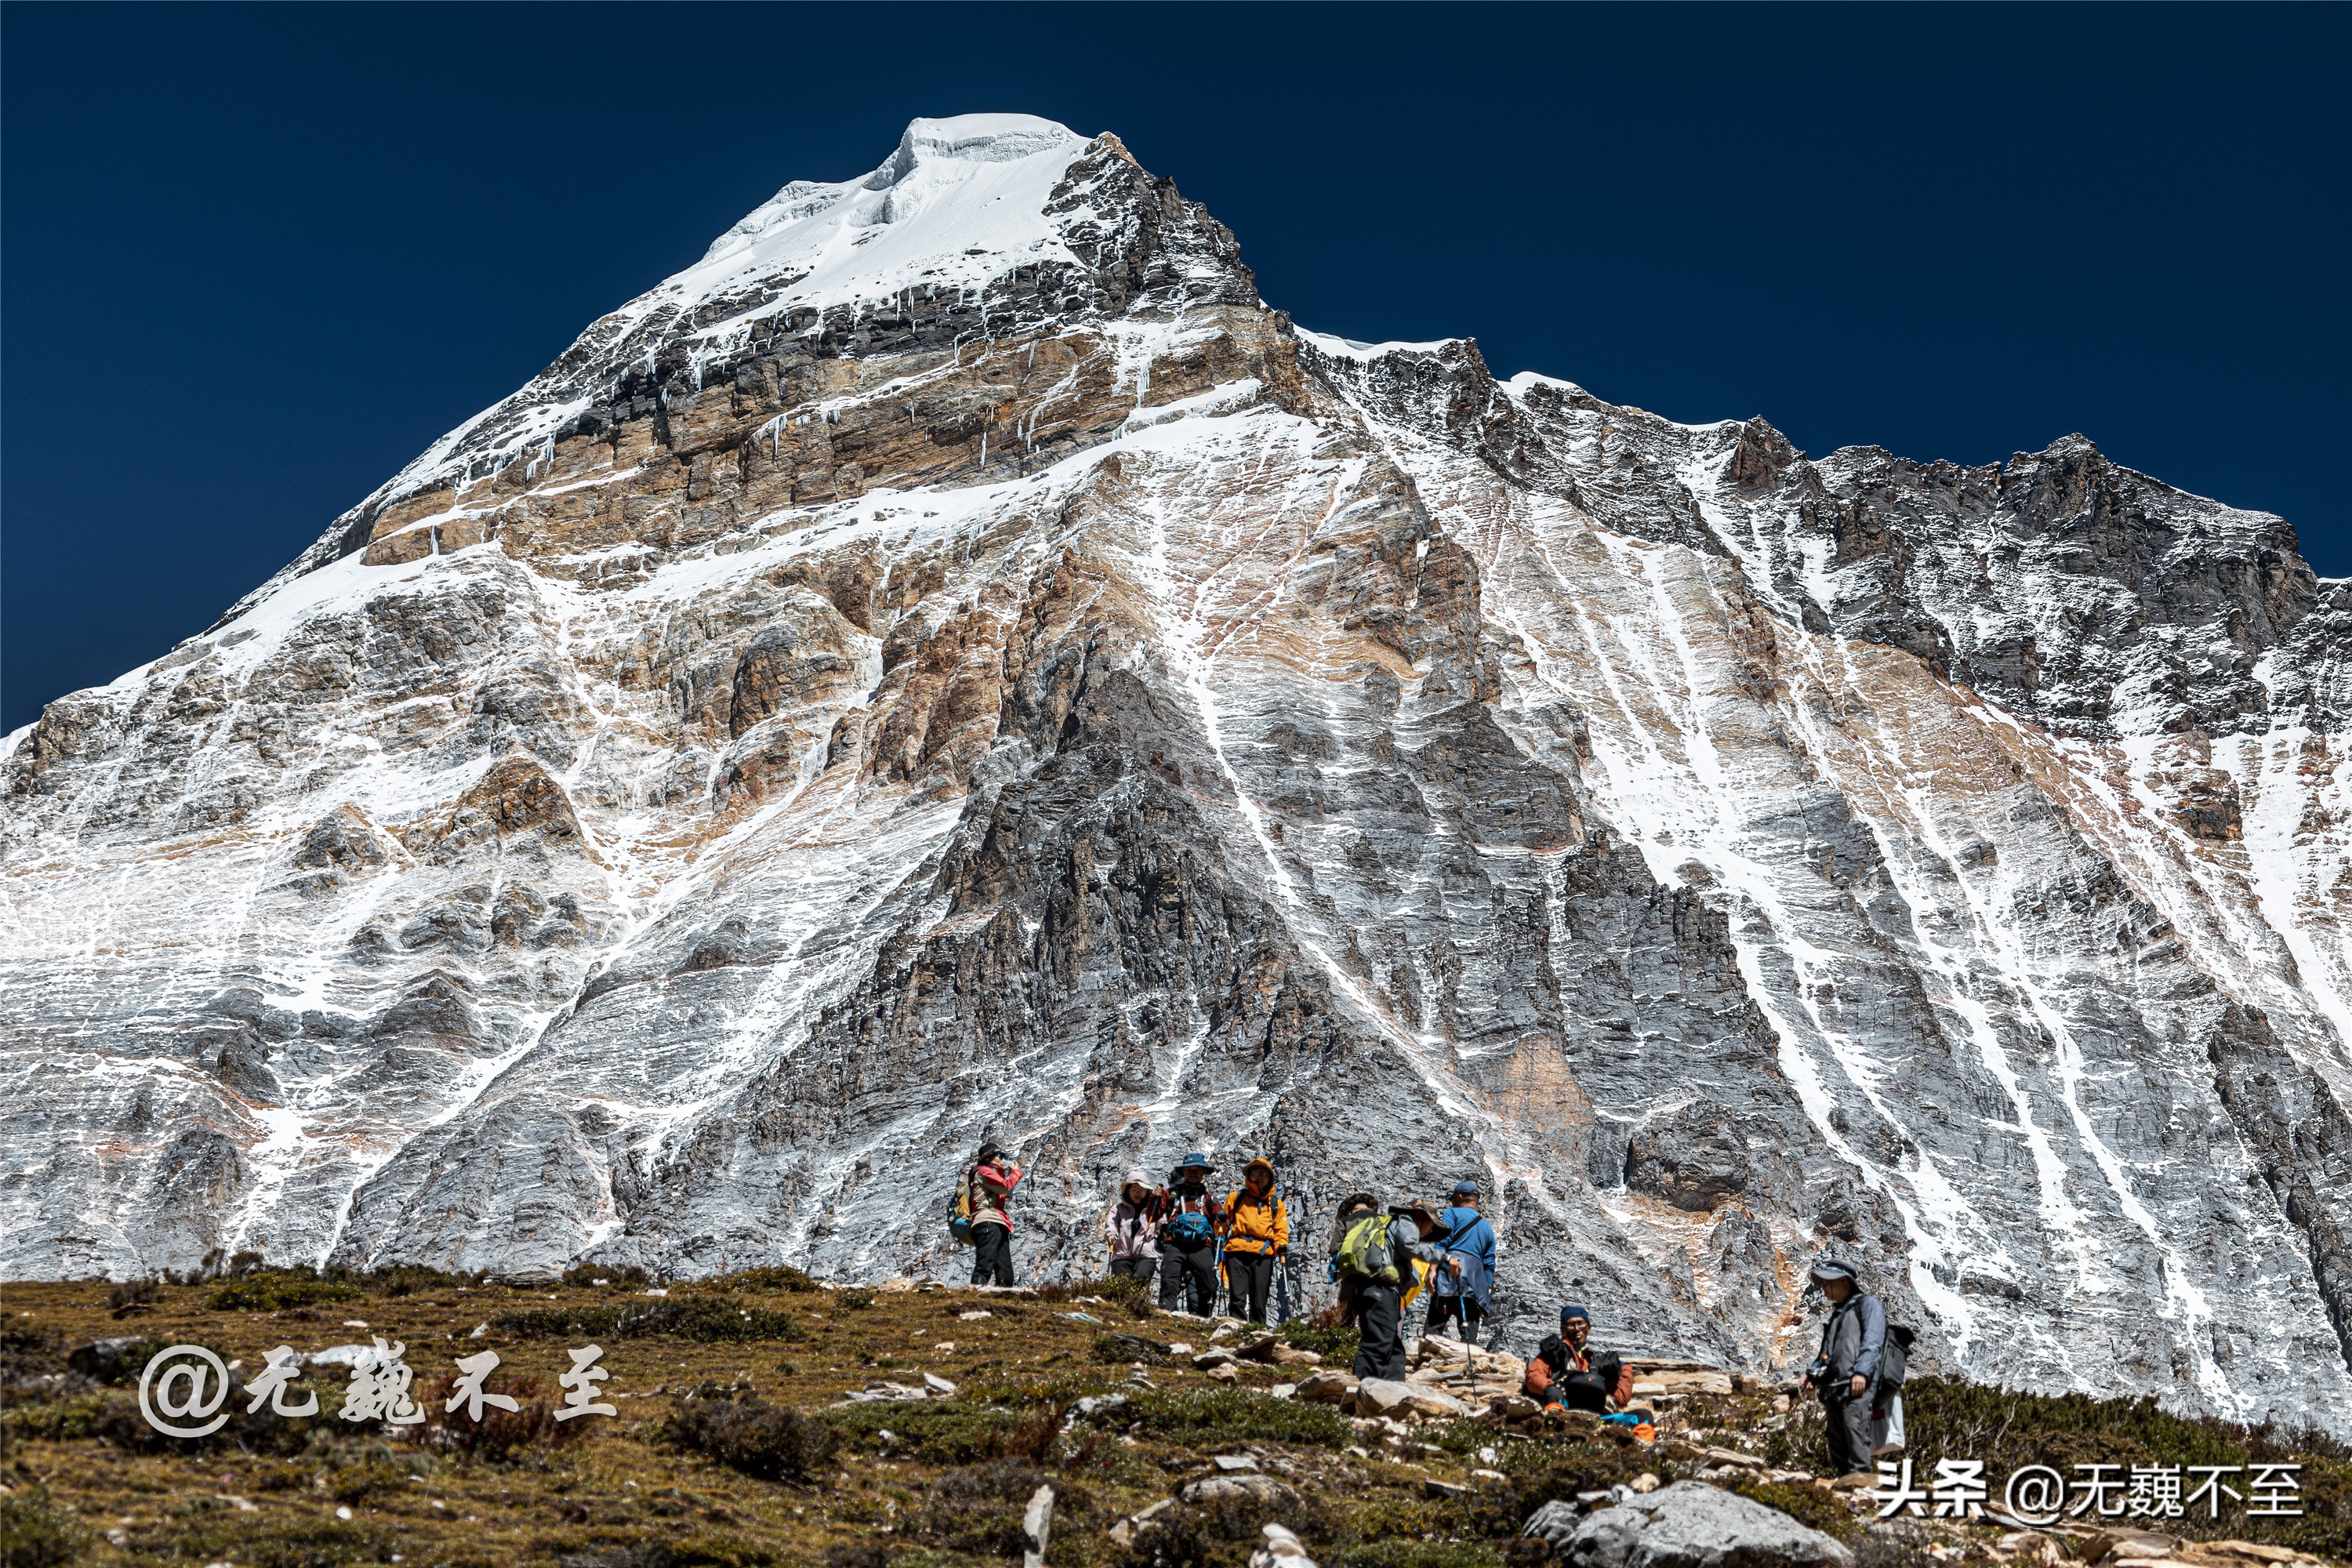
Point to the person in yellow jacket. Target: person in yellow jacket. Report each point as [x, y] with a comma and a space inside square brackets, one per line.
[1257, 1233]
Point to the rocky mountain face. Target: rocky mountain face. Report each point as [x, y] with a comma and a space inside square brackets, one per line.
[955, 659]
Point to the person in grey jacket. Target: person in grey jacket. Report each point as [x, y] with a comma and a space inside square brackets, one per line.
[1851, 1342]
[1414, 1231]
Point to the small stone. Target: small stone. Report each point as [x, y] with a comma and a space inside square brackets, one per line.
[1125, 1531]
[1238, 1488]
[1282, 1549]
[1645, 1482]
[1490, 1475]
[939, 1386]
[945, 1347]
[1325, 1387]
[1233, 1462]
[1225, 1373]
[974, 1315]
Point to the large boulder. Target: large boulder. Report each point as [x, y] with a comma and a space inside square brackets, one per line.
[1686, 1525]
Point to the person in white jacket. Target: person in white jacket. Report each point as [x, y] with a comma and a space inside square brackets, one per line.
[1129, 1231]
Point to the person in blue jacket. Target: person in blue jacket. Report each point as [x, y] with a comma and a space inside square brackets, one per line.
[1465, 1299]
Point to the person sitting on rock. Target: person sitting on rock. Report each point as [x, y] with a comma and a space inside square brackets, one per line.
[1565, 1371]
[1385, 1268]
[1134, 1219]
[1190, 1217]
[1257, 1233]
[1461, 1300]
[1851, 1342]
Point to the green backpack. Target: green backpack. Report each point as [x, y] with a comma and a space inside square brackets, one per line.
[1364, 1253]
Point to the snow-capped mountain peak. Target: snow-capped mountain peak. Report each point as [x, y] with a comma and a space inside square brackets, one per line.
[960, 202]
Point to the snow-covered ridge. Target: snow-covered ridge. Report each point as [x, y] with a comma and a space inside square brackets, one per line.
[956, 203]
[1349, 348]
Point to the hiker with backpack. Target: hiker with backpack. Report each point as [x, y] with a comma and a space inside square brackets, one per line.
[1352, 1207]
[1134, 1219]
[1854, 1341]
[1461, 1299]
[1190, 1218]
[988, 1190]
[1382, 1254]
[1565, 1371]
[1256, 1229]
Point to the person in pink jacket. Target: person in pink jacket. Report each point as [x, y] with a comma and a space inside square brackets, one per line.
[1129, 1230]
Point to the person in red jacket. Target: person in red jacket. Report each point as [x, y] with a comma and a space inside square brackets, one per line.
[992, 1179]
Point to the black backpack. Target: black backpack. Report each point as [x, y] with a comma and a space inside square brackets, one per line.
[1894, 1357]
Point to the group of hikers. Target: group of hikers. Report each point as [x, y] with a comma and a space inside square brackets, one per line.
[1386, 1259]
[1200, 1243]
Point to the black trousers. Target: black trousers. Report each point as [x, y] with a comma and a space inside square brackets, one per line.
[1849, 1426]
[1251, 1276]
[1133, 1267]
[1192, 1274]
[992, 1255]
[1462, 1309]
[1381, 1354]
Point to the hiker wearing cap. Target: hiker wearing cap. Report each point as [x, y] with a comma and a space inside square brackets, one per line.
[1256, 1229]
[991, 1181]
[1382, 1258]
[1462, 1298]
[1851, 1342]
[1566, 1372]
[1134, 1219]
[1190, 1218]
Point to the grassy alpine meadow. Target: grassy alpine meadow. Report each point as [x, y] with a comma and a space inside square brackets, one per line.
[732, 1443]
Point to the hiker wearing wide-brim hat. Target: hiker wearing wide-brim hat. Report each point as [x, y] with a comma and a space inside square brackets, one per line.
[1190, 1218]
[1851, 1344]
[1132, 1228]
[1385, 1276]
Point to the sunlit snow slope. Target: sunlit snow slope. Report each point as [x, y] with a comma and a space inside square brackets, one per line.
[954, 659]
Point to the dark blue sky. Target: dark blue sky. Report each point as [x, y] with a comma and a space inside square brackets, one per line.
[255, 259]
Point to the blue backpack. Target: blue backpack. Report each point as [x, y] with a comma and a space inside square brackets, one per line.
[1191, 1230]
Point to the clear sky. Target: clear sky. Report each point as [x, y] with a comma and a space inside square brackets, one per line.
[252, 259]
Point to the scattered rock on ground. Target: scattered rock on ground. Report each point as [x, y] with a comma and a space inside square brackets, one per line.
[1237, 1489]
[1686, 1525]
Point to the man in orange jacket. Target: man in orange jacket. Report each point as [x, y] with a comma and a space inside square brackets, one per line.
[1257, 1233]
